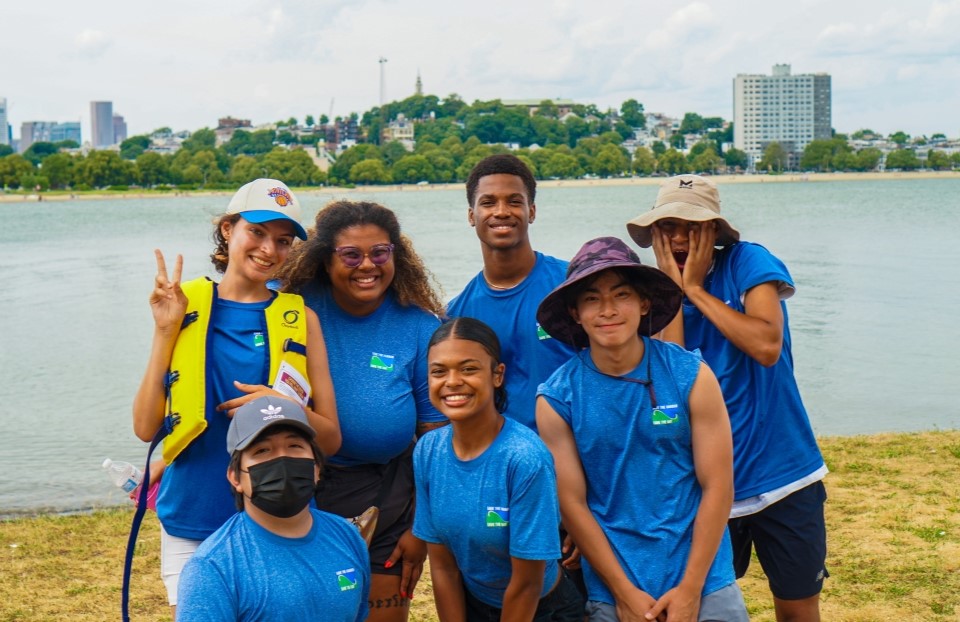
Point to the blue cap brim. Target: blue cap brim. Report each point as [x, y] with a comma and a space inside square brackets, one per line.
[259, 216]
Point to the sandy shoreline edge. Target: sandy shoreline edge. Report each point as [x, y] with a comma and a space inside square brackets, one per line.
[549, 183]
[877, 437]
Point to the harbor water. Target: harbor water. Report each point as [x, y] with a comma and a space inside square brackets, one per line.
[874, 319]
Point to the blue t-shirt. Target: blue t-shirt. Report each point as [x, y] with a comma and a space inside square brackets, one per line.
[638, 464]
[195, 497]
[244, 573]
[499, 505]
[378, 363]
[529, 353]
[773, 442]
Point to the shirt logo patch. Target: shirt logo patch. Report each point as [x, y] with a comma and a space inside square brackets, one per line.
[665, 414]
[381, 361]
[498, 516]
[258, 340]
[347, 579]
[542, 334]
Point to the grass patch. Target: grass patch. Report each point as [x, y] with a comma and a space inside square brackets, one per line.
[893, 528]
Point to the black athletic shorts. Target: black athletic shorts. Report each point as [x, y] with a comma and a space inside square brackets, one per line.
[349, 491]
[790, 537]
[561, 604]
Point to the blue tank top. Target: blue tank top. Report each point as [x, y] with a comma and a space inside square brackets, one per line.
[638, 463]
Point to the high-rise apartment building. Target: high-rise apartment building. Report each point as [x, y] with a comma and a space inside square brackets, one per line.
[4, 124]
[792, 110]
[101, 124]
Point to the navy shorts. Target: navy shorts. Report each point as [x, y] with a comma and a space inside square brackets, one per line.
[790, 537]
[349, 491]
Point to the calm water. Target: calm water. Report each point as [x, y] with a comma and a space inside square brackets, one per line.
[874, 318]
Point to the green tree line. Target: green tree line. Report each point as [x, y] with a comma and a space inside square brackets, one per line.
[451, 136]
[198, 164]
[835, 154]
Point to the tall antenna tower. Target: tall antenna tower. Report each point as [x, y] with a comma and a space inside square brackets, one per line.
[383, 81]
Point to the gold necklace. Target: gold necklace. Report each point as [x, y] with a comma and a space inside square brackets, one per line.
[500, 287]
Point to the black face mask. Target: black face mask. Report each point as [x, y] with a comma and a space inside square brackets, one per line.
[283, 486]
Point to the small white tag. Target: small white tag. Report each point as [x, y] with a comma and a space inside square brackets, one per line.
[292, 384]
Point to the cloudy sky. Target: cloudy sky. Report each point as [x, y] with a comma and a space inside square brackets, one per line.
[183, 63]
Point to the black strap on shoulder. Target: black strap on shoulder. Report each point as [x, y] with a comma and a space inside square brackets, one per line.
[289, 345]
[169, 422]
[164, 430]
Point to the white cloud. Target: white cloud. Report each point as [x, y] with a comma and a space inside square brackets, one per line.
[682, 26]
[92, 43]
[897, 32]
[184, 63]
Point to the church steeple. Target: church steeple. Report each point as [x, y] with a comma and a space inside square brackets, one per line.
[419, 84]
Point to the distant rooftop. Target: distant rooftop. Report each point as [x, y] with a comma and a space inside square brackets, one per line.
[537, 102]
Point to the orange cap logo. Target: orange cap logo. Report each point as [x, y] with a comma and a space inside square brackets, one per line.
[281, 196]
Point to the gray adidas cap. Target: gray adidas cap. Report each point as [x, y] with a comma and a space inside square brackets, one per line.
[264, 412]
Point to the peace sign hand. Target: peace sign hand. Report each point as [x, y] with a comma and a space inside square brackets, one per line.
[167, 300]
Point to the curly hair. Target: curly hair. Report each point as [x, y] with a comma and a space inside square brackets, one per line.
[505, 164]
[221, 252]
[412, 282]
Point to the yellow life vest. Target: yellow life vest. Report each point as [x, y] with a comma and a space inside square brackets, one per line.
[286, 340]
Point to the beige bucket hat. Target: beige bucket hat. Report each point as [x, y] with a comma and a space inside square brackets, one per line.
[687, 197]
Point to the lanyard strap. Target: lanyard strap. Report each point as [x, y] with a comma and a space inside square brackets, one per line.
[648, 383]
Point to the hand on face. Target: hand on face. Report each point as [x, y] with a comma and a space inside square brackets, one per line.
[665, 260]
[702, 240]
[684, 249]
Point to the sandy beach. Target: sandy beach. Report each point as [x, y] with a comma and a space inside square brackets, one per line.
[17, 197]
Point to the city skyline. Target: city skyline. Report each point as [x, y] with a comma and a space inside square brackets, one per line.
[183, 65]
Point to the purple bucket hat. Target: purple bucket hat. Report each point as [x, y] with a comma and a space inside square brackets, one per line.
[593, 257]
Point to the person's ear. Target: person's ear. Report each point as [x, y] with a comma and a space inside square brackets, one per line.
[644, 306]
[574, 314]
[498, 375]
[225, 229]
[234, 480]
[533, 213]
[470, 218]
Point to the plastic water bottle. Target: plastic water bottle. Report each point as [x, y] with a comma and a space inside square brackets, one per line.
[123, 474]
